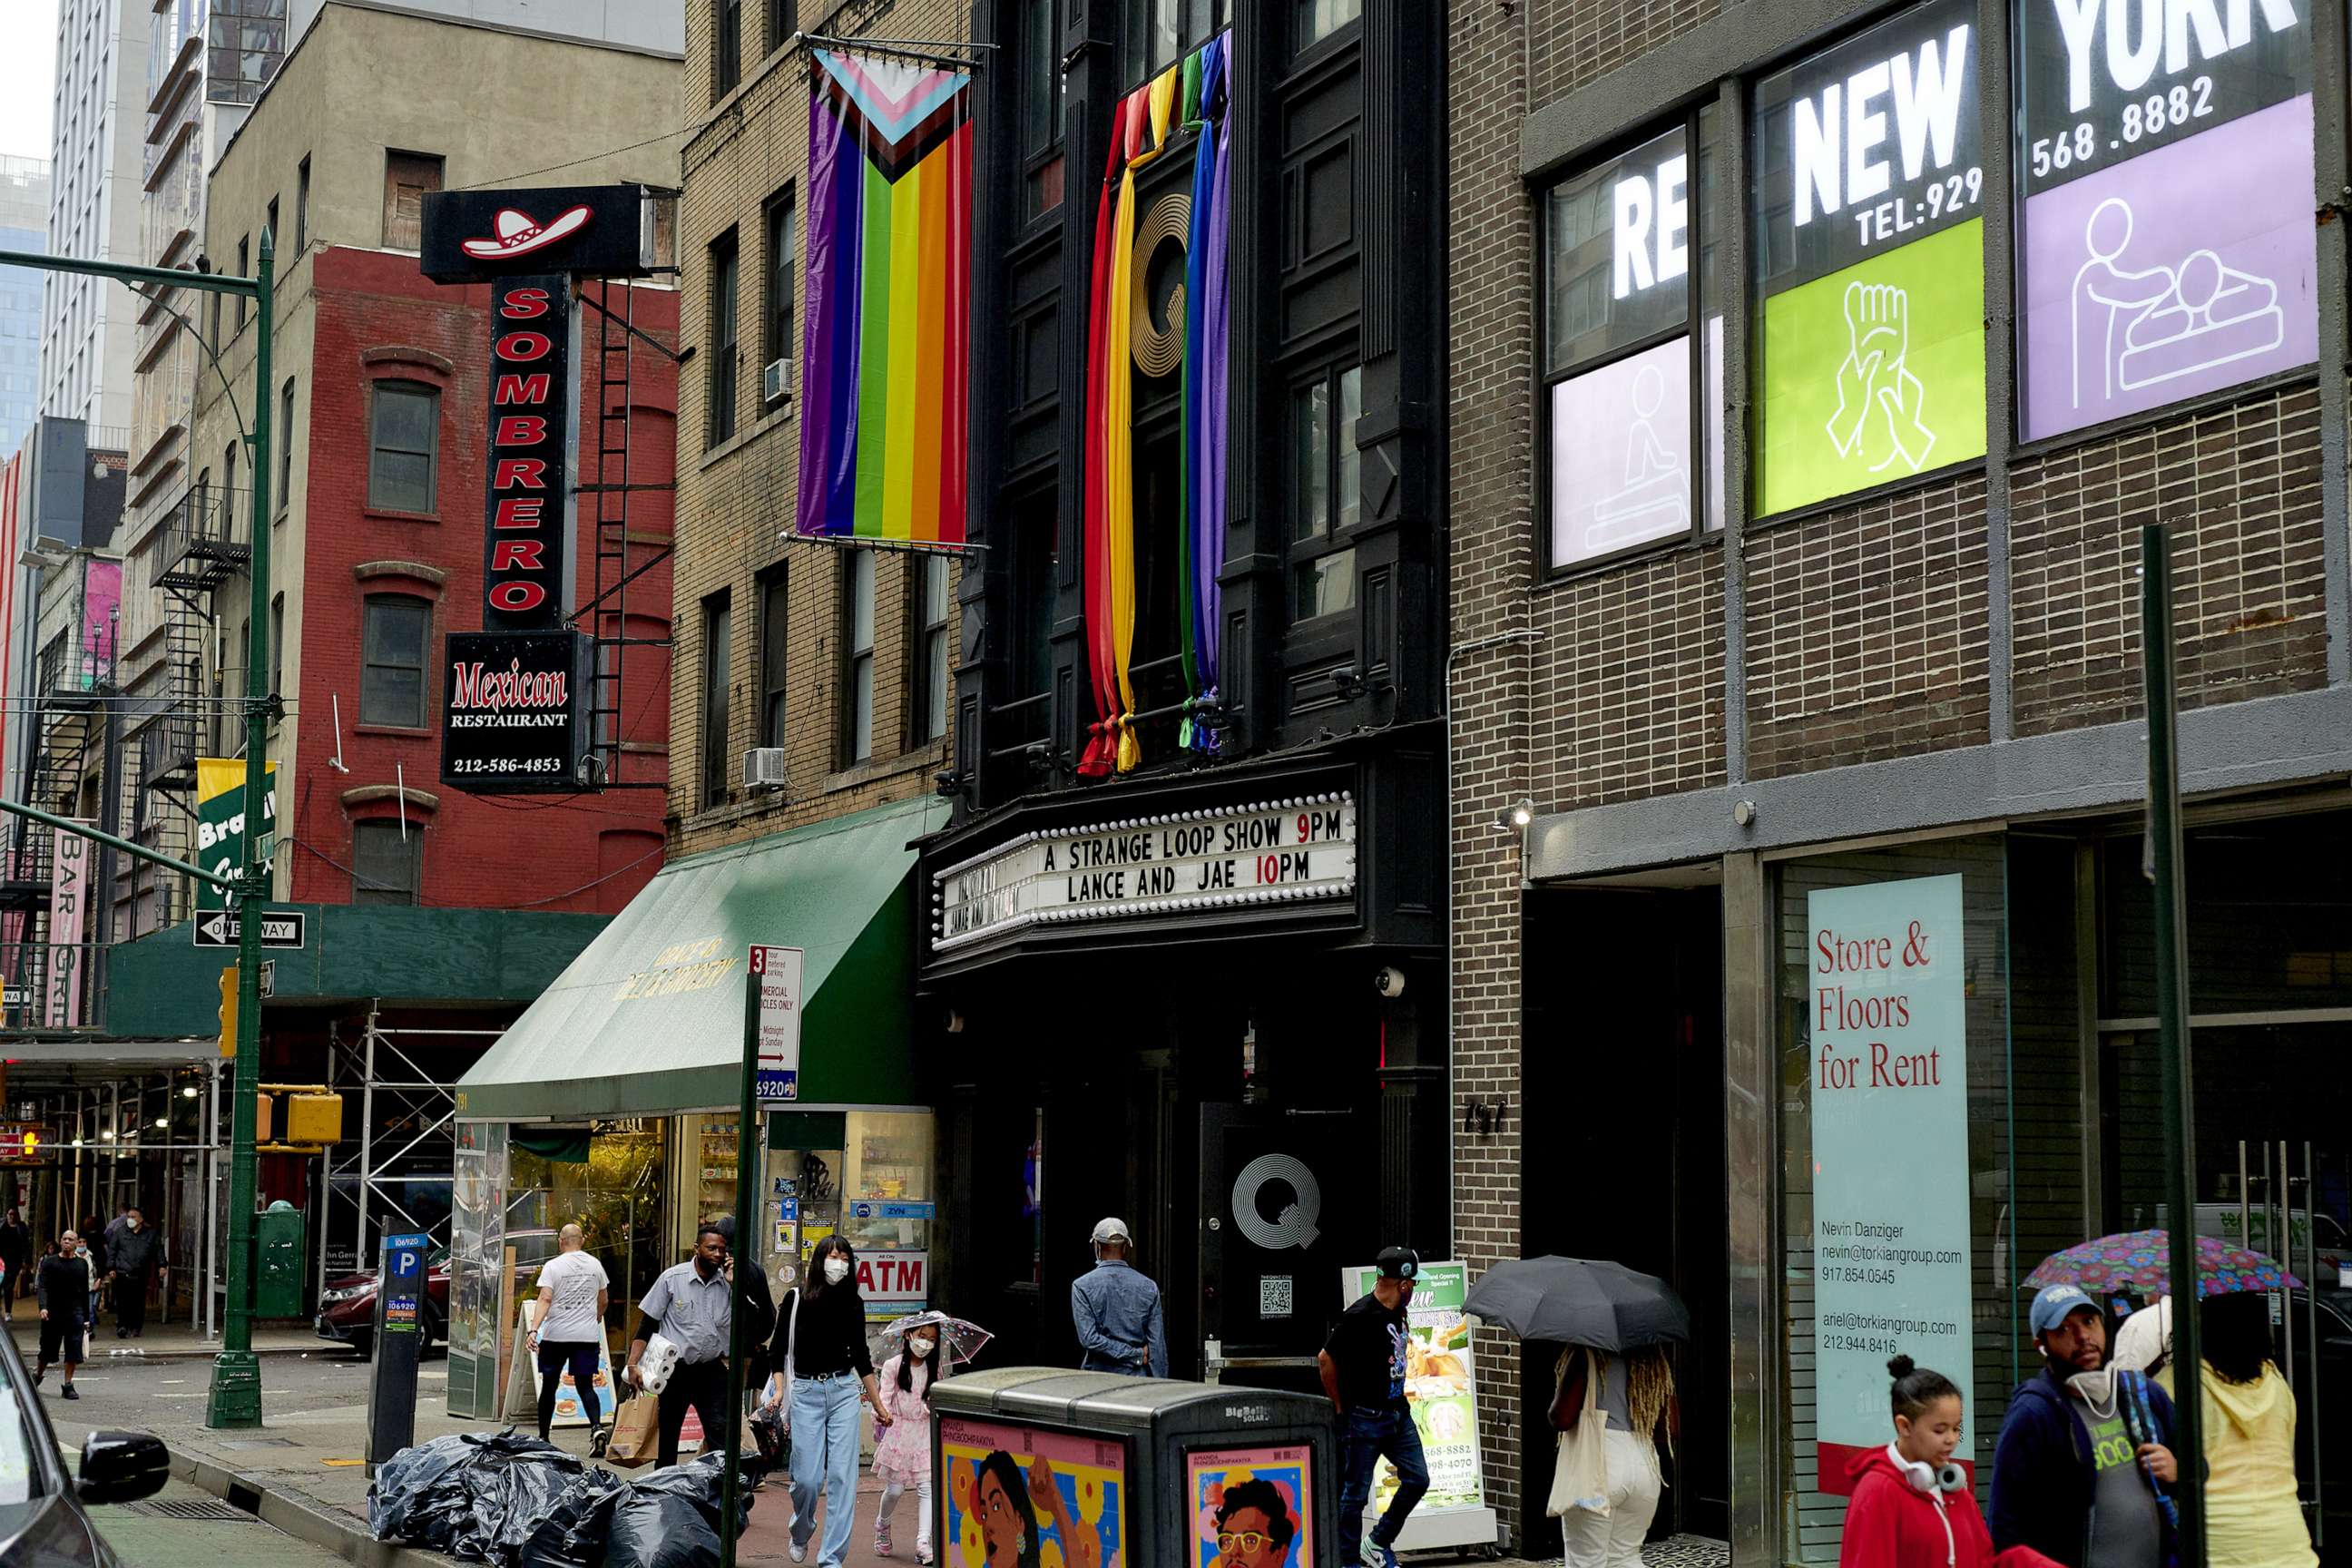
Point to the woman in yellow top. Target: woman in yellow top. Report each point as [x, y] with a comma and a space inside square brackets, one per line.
[2252, 1516]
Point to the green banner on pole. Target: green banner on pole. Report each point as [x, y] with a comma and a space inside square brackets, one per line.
[220, 822]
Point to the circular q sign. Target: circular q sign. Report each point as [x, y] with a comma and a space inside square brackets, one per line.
[1296, 1225]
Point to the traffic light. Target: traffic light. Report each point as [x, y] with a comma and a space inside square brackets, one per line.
[228, 1011]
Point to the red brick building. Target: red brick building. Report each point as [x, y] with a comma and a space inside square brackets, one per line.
[391, 350]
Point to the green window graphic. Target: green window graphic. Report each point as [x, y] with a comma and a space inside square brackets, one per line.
[1870, 252]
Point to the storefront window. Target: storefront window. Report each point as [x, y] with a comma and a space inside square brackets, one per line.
[1625, 248]
[867, 1174]
[2165, 165]
[607, 1180]
[1870, 261]
[477, 1244]
[1931, 1136]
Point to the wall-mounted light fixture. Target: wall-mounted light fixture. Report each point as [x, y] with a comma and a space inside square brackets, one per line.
[1514, 817]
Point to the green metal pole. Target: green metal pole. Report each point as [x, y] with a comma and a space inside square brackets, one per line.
[2172, 1026]
[748, 1254]
[235, 1399]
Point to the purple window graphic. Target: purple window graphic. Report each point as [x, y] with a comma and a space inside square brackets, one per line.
[2187, 269]
[1621, 451]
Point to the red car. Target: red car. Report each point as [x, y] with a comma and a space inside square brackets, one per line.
[347, 1309]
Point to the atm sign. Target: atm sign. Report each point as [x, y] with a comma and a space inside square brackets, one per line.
[897, 1280]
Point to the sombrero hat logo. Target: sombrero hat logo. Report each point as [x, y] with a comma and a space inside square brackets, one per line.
[519, 234]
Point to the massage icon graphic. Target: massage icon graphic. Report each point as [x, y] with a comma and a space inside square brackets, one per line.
[1882, 407]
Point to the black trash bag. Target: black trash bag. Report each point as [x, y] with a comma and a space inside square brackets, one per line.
[659, 1529]
[507, 1478]
[444, 1493]
[406, 1497]
[565, 1530]
[700, 1483]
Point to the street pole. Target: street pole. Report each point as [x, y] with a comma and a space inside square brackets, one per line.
[2172, 1026]
[235, 1398]
[749, 1253]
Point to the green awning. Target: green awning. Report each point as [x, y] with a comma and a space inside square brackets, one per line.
[649, 1019]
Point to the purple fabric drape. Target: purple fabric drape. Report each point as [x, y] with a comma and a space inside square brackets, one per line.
[1209, 294]
[829, 370]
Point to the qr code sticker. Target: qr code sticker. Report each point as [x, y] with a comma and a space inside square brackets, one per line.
[1274, 1292]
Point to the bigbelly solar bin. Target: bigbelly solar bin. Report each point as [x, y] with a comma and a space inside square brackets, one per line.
[1130, 1472]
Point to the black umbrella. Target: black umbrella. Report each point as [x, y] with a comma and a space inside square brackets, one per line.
[1578, 1301]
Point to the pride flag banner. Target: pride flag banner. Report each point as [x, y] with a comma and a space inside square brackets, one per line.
[886, 329]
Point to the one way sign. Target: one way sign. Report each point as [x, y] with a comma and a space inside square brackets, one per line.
[279, 928]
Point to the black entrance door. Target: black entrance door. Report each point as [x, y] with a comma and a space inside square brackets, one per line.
[1286, 1206]
[1624, 1150]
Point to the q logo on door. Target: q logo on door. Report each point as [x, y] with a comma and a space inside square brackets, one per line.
[1294, 1226]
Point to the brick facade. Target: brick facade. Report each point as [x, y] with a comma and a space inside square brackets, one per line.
[378, 320]
[1853, 633]
[2239, 485]
[747, 148]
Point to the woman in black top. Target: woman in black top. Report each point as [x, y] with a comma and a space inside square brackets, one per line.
[821, 1366]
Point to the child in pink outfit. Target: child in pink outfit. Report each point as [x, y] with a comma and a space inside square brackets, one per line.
[902, 1454]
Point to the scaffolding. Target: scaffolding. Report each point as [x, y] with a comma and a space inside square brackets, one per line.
[407, 1136]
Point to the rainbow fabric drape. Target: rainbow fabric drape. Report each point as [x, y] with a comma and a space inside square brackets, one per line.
[1192, 96]
[886, 325]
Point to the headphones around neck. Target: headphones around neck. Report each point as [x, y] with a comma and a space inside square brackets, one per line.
[1925, 1477]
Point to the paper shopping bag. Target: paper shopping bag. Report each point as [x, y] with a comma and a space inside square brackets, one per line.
[636, 1433]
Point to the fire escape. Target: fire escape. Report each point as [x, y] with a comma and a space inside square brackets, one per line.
[607, 488]
[198, 552]
[64, 769]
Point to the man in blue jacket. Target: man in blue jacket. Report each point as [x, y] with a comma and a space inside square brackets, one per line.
[1115, 1310]
[2069, 1479]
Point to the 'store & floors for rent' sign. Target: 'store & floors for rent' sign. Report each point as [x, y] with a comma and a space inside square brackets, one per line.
[1889, 1079]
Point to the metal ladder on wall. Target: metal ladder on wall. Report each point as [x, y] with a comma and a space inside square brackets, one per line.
[611, 626]
[607, 613]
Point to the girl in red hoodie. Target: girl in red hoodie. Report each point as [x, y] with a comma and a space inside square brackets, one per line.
[1911, 1506]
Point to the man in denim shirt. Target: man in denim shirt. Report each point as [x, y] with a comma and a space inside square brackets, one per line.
[1363, 1365]
[1115, 1310]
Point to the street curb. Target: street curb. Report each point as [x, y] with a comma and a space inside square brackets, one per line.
[302, 1518]
[193, 1353]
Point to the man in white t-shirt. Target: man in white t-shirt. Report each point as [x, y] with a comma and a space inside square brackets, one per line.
[568, 1328]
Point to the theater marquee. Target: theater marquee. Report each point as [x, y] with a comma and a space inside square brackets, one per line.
[1276, 852]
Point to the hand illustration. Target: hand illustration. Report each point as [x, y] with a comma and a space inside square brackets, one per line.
[1881, 405]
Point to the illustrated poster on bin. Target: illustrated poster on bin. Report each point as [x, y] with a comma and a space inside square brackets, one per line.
[1019, 1498]
[1441, 1386]
[522, 1383]
[1888, 1074]
[1252, 1508]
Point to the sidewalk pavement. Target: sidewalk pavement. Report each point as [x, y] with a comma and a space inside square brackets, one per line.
[178, 1342]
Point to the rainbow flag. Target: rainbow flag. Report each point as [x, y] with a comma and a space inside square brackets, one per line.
[887, 333]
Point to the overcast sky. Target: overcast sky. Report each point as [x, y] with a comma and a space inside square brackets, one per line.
[28, 61]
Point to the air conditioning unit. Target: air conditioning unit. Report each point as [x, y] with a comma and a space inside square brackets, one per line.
[764, 768]
[776, 381]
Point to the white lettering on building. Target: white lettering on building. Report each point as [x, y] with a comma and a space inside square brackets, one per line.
[2139, 34]
[1839, 132]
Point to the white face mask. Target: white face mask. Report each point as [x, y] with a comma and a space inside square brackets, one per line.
[2095, 1388]
[920, 1348]
[131, 1223]
[837, 1269]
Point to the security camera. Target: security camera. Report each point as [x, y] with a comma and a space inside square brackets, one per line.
[1388, 981]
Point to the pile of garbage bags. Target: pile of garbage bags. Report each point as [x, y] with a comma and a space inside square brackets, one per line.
[518, 1502]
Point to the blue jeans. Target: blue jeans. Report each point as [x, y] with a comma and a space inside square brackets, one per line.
[824, 1454]
[1367, 1438]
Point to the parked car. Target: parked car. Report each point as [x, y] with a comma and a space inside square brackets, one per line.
[347, 1308]
[44, 1519]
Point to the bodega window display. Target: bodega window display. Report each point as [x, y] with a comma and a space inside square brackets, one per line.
[1627, 382]
[1870, 364]
[2165, 164]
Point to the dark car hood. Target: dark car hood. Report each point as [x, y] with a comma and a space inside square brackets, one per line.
[56, 1534]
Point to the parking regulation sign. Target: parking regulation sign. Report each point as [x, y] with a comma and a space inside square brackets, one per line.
[775, 981]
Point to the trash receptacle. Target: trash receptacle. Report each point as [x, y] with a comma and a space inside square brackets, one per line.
[1147, 1471]
[278, 1233]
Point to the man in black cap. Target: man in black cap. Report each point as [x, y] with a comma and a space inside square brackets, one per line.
[1363, 1365]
